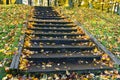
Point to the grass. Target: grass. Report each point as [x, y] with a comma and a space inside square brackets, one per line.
[11, 24]
[104, 26]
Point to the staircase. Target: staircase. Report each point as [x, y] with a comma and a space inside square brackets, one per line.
[58, 45]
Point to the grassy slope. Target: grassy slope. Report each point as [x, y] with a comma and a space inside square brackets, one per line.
[104, 26]
[11, 23]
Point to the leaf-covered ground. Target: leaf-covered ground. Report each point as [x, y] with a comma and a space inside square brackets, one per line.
[11, 25]
[104, 26]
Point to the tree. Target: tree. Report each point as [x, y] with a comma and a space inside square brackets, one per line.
[56, 3]
[85, 3]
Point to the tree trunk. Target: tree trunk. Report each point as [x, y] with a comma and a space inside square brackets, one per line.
[119, 9]
[56, 3]
[71, 3]
[7, 1]
[48, 1]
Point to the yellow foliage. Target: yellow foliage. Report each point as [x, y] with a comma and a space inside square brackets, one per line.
[105, 57]
[2, 50]
[35, 79]
[9, 75]
[8, 53]
[61, 2]
[95, 50]
[23, 64]
[66, 3]
[84, 3]
[10, 1]
[85, 79]
[7, 69]
[27, 44]
[4, 1]
[29, 31]
[13, 1]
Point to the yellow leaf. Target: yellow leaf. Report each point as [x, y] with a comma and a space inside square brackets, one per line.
[35, 79]
[21, 67]
[13, 1]
[27, 44]
[8, 53]
[2, 50]
[85, 79]
[95, 50]
[118, 39]
[4, 78]
[105, 57]
[90, 44]
[7, 48]
[9, 75]
[7, 69]
[29, 31]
